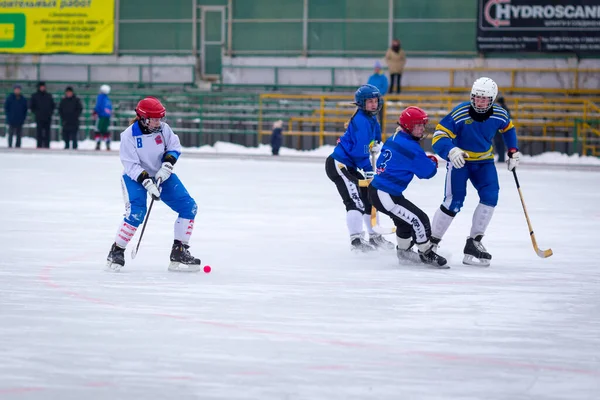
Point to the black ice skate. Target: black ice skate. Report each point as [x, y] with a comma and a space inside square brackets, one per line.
[379, 242]
[433, 259]
[182, 260]
[475, 253]
[357, 243]
[116, 258]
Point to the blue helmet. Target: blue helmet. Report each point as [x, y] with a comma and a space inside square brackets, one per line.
[368, 92]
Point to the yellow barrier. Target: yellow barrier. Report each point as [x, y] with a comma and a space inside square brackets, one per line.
[548, 113]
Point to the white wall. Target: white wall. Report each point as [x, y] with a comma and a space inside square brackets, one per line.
[155, 69]
[355, 71]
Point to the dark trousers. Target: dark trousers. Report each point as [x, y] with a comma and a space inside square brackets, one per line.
[395, 81]
[346, 181]
[42, 133]
[499, 147]
[70, 135]
[410, 220]
[15, 130]
[276, 139]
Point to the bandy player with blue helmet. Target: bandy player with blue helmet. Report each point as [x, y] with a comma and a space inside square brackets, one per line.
[351, 154]
[464, 138]
[149, 150]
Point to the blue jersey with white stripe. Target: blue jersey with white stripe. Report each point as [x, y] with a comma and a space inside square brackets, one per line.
[353, 148]
[458, 129]
[400, 160]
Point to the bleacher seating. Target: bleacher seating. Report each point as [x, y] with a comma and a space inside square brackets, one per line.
[552, 121]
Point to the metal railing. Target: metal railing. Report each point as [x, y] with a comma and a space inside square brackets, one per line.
[572, 77]
[140, 74]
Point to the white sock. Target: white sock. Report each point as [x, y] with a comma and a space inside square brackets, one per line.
[423, 247]
[183, 229]
[354, 221]
[440, 224]
[403, 244]
[124, 234]
[367, 221]
[481, 219]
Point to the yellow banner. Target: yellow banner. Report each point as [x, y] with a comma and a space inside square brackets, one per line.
[57, 26]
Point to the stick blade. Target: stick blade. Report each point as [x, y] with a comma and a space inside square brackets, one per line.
[544, 253]
[383, 230]
[134, 253]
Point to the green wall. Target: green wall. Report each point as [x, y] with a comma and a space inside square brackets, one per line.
[275, 27]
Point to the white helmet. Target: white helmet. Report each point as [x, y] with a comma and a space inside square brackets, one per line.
[484, 87]
[105, 89]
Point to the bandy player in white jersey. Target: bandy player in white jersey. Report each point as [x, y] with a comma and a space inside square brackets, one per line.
[149, 150]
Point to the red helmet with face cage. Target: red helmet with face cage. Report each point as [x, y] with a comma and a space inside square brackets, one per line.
[150, 107]
[412, 116]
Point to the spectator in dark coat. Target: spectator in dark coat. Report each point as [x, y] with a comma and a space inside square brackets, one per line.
[42, 106]
[70, 109]
[276, 137]
[15, 109]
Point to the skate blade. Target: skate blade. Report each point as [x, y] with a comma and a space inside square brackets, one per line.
[179, 267]
[436, 266]
[112, 267]
[409, 257]
[476, 262]
[412, 258]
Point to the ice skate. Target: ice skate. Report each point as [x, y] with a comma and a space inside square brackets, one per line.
[407, 255]
[475, 253]
[379, 242]
[182, 260]
[359, 244]
[116, 258]
[433, 259]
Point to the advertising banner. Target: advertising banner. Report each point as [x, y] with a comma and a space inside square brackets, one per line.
[538, 26]
[57, 26]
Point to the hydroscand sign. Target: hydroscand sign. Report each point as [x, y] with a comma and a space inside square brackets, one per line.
[538, 26]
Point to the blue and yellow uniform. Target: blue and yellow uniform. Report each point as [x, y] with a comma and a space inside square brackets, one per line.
[473, 133]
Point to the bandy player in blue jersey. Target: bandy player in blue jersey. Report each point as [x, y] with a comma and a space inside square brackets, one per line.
[401, 159]
[464, 138]
[149, 150]
[351, 156]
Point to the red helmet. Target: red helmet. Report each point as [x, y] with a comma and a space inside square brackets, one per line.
[150, 107]
[412, 116]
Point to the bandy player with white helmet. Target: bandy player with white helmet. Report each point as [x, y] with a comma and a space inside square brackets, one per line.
[149, 150]
[464, 138]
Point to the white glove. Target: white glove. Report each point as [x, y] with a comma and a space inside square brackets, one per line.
[369, 174]
[376, 147]
[151, 187]
[457, 157]
[164, 172]
[514, 156]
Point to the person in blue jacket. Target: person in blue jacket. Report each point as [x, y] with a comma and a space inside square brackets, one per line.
[102, 114]
[464, 138]
[15, 108]
[400, 160]
[351, 154]
[380, 81]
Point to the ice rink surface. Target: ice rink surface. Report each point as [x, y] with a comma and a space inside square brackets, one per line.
[288, 311]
